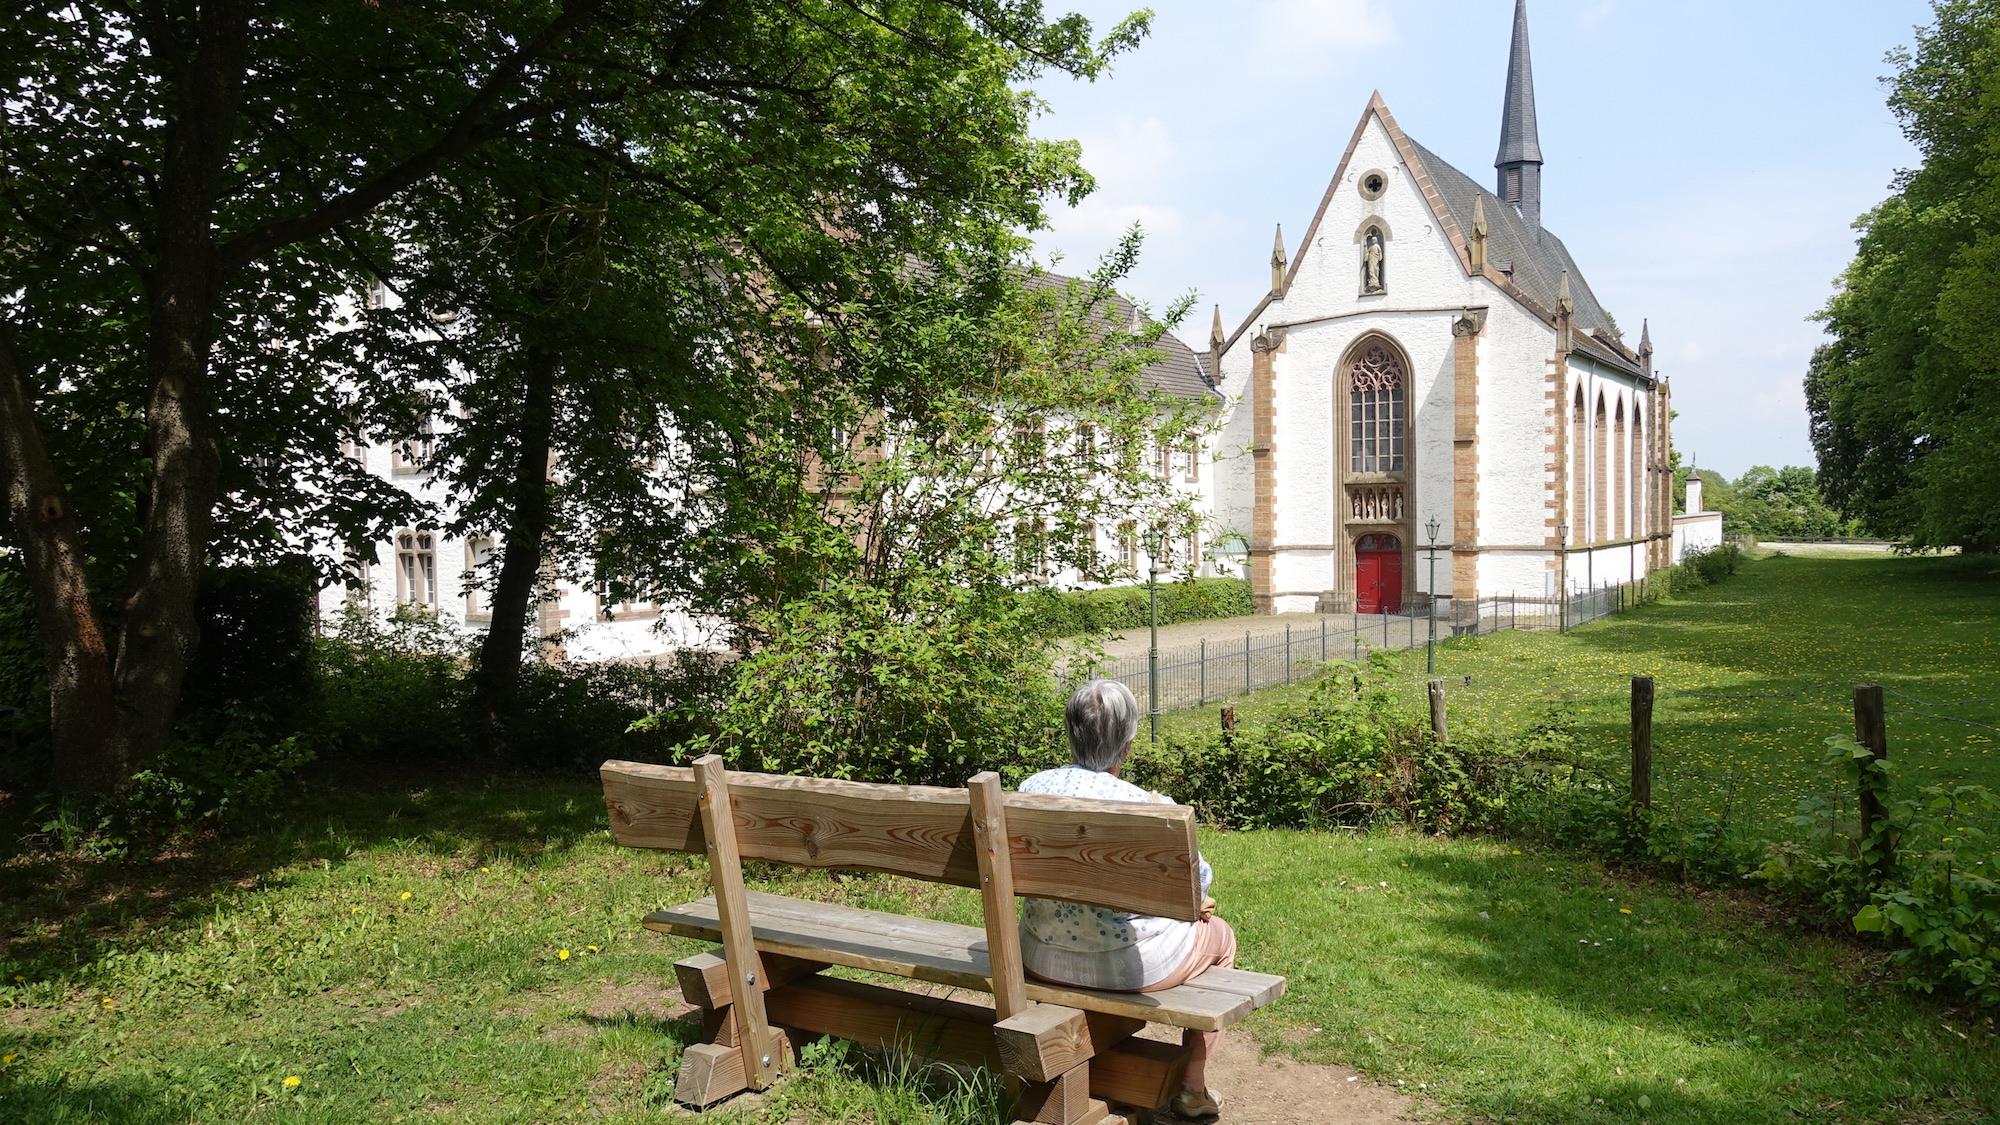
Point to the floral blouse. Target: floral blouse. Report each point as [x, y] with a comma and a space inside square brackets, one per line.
[1090, 946]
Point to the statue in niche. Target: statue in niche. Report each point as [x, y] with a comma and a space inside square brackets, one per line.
[1371, 262]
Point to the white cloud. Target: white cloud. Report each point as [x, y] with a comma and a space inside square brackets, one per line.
[1301, 26]
[1597, 13]
[1132, 162]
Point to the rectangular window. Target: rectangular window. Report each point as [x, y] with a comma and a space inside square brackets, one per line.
[621, 596]
[1086, 541]
[359, 562]
[479, 560]
[1128, 547]
[410, 454]
[1029, 444]
[1193, 456]
[1031, 547]
[1376, 430]
[416, 568]
[1086, 446]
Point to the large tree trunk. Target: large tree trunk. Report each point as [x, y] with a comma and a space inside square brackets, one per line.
[112, 708]
[523, 540]
[66, 617]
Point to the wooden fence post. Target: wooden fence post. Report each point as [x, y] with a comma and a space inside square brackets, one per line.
[1871, 729]
[1642, 743]
[1437, 710]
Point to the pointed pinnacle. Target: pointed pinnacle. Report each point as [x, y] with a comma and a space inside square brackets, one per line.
[1645, 337]
[1479, 227]
[1278, 246]
[1565, 304]
[1215, 334]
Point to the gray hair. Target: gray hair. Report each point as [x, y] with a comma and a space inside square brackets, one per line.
[1102, 718]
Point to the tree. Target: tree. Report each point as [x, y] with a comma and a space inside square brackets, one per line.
[1007, 437]
[675, 290]
[183, 185]
[1905, 396]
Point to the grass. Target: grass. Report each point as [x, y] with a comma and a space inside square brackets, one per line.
[402, 956]
[1751, 676]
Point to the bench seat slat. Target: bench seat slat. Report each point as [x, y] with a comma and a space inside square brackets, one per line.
[950, 954]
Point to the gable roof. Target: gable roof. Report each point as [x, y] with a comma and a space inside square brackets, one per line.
[1179, 370]
[1537, 260]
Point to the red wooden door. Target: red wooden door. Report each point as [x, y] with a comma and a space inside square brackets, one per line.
[1378, 574]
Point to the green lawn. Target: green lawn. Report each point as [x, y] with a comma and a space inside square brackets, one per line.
[1751, 676]
[402, 957]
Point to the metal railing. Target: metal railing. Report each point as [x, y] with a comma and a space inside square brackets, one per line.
[1223, 667]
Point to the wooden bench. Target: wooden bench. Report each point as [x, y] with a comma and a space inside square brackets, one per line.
[1070, 1052]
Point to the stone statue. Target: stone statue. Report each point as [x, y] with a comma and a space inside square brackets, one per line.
[1371, 263]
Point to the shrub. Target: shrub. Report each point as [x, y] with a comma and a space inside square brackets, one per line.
[1346, 755]
[928, 684]
[572, 716]
[1057, 613]
[392, 690]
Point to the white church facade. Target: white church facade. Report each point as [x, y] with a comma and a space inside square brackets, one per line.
[1432, 357]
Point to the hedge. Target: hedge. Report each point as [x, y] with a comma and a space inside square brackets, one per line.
[1066, 613]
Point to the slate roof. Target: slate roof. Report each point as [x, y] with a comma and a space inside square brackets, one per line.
[1180, 370]
[1538, 260]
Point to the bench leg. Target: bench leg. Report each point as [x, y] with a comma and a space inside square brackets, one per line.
[713, 1070]
[1064, 1101]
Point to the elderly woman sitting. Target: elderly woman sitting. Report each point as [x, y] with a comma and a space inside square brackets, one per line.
[1091, 947]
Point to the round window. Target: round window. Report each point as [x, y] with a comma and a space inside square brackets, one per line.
[1373, 183]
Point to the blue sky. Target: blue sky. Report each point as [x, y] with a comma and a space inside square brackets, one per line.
[1704, 161]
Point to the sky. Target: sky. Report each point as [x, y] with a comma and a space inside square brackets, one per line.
[1704, 161]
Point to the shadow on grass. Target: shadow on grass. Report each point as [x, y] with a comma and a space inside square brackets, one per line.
[62, 911]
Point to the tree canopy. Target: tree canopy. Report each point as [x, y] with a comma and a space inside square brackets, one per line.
[1905, 397]
[191, 189]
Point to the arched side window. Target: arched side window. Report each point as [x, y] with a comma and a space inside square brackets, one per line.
[1619, 496]
[1376, 411]
[1579, 485]
[1602, 525]
[1642, 500]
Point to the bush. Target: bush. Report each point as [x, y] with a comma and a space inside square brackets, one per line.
[1346, 755]
[1069, 613]
[576, 716]
[392, 690]
[929, 684]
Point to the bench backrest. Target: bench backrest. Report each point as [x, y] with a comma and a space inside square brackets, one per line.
[1118, 855]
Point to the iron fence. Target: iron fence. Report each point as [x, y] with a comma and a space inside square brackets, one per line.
[1223, 667]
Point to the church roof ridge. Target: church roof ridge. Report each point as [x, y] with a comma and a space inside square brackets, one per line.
[1538, 257]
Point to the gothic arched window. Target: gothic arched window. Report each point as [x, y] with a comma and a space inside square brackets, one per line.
[1376, 424]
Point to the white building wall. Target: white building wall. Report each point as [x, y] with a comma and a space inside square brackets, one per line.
[1515, 426]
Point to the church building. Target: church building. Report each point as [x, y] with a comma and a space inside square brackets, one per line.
[1430, 366]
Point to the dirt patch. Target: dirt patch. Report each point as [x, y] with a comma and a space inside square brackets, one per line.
[639, 998]
[1261, 1089]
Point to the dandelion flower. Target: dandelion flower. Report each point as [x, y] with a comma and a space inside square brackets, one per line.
[485, 870]
[405, 896]
[292, 1081]
[1624, 910]
[8, 1059]
[1517, 851]
[18, 978]
[562, 954]
[108, 1002]
[590, 949]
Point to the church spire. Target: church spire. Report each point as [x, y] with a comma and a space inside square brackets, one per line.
[1520, 158]
[1279, 261]
[1215, 334]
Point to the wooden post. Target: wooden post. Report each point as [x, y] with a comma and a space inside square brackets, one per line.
[1437, 710]
[1642, 743]
[761, 1048]
[996, 892]
[1871, 729]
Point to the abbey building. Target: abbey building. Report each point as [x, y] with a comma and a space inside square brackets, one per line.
[1430, 360]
